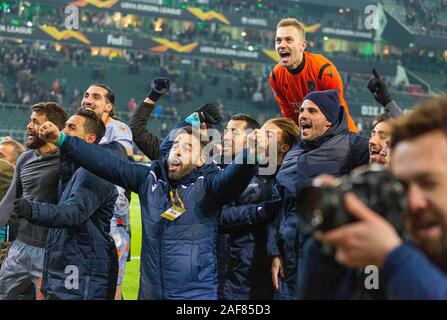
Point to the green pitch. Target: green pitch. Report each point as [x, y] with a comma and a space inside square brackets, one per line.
[132, 274]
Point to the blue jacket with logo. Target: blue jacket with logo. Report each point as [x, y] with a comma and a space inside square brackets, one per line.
[178, 258]
[79, 250]
[337, 152]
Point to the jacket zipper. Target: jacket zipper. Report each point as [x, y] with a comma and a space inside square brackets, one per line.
[162, 227]
[161, 259]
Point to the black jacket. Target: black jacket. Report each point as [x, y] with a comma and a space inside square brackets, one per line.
[147, 142]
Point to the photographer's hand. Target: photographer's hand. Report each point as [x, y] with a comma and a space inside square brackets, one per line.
[363, 243]
[277, 268]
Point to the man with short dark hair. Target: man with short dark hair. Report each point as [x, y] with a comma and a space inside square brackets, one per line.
[324, 146]
[80, 224]
[233, 143]
[101, 99]
[380, 139]
[415, 270]
[235, 136]
[36, 178]
[180, 198]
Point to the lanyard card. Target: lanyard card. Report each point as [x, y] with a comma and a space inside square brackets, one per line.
[173, 213]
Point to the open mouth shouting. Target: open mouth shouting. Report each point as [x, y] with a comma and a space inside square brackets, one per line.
[32, 137]
[305, 127]
[374, 154]
[174, 164]
[284, 56]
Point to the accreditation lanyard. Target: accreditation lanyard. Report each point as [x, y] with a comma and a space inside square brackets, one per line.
[174, 211]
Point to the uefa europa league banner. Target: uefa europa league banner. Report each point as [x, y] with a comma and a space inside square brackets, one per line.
[196, 14]
[189, 13]
[154, 44]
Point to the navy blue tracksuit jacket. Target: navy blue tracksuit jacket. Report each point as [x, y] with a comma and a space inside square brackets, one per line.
[178, 258]
[79, 235]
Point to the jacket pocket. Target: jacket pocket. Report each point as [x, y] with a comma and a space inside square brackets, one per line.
[195, 262]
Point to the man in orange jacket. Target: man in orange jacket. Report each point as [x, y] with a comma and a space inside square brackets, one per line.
[300, 72]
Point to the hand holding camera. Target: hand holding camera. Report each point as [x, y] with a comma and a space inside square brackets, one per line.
[361, 215]
[365, 242]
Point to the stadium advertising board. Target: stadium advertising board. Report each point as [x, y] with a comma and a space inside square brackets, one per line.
[196, 14]
[189, 13]
[154, 44]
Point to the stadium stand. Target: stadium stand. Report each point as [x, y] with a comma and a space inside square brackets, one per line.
[27, 72]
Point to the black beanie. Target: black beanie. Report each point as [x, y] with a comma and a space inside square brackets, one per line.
[328, 102]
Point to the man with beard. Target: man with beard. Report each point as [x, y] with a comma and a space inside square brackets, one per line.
[325, 146]
[101, 99]
[415, 270]
[180, 198]
[380, 135]
[299, 73]
[380, 139]
[36, 178]
[247, 275]
[80, 225]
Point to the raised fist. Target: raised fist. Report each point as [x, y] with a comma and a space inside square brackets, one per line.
[48, 132]
[159, 87]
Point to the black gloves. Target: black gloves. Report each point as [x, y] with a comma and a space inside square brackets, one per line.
[209, 113]
[379, 89]
[23, 208]
[159, 87]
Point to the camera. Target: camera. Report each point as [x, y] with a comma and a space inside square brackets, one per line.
[321, 207]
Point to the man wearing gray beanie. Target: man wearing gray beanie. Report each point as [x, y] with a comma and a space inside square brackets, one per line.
[324, 146]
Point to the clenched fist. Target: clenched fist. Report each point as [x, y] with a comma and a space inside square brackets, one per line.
[49, 132]
[159, 87]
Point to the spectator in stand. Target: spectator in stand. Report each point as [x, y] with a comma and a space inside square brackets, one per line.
[131, 105]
